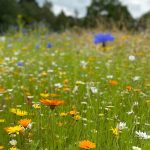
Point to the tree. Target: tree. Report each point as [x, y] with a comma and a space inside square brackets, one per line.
[30, 11]
[9, 10]
[47, 15]
[143, 22]
[107, 11]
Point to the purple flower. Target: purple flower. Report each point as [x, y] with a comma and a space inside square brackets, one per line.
[49, 45]
[103, 38]
[37, 46]
[20, 64]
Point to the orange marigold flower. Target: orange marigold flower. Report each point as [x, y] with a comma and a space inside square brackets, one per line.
[66, 81]
[147, 83]
[129, 88]
[2, 90]
[113, 82]
[1, 147]
[87, 144]
[52, 103]
[24, 122]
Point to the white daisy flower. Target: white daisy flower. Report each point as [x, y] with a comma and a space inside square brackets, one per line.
[94, 90]
[136, 78]
[13, 142]
[131, 58]
[109, 76]
[58, 85]
[136, 148]
[142, 135]
[121, 125]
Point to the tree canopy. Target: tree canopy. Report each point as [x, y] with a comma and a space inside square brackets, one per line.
[105, 12]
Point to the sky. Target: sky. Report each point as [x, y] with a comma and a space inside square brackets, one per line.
[136, 7]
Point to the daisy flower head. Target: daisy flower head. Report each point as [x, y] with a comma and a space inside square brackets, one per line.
[136, 148]
[142, 135]
[121, 126]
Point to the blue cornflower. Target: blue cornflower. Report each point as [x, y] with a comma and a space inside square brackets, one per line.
[103, 38]
[37, 46]
[20, 64]
[49, 45]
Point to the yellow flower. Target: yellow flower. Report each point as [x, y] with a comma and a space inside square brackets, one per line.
[77, 117]
[44, 74]
[53, 95]
[66, 81]
[21, 113]
[63, 114]
[2, 90]
[2, 120]
[60, 124]
[115, 131]
[147, 83]
[36, 106]
[1, 147]
[13, 148]
[148, 101]
[92, 59]
[14, 130]
[80, 82]
[44, 95]
[73, 112]
[66, 89]
[13, 110]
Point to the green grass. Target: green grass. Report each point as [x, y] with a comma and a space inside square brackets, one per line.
[100, 112]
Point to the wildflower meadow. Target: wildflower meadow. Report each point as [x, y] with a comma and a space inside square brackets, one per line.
[74, 91]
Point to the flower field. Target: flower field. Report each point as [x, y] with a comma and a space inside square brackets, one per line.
[64, 92]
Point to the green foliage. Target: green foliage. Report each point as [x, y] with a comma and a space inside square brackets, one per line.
[108, 11]
[29, 10]
[8, 12]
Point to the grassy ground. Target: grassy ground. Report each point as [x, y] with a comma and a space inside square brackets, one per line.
[106, 93]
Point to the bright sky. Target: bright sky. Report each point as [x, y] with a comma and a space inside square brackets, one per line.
[136, 7]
